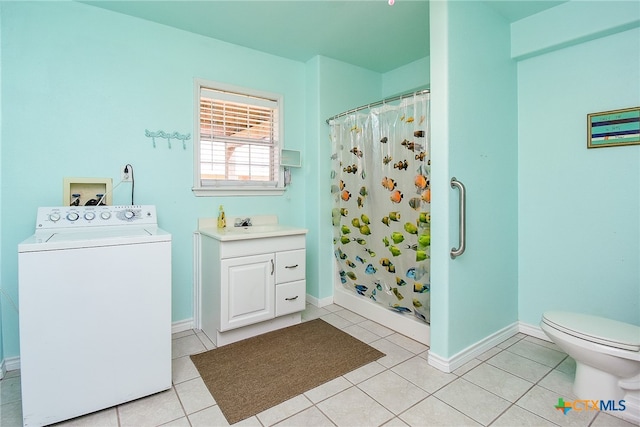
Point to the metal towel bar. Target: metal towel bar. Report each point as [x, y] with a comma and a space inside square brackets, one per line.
[462, 219]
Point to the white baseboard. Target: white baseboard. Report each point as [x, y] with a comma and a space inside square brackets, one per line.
[454, 362]
[182, 325]
[443, 364]
[319, 302]
[632, 413]
[220, 339]
[459, 359]
[439, 362]
[10, 364]
[533, 330]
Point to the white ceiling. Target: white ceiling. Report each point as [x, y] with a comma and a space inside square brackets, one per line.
[369, 34]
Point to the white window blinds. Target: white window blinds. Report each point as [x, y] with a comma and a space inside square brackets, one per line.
[239, 140]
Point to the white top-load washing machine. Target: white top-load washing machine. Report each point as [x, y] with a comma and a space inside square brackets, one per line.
[94, 310]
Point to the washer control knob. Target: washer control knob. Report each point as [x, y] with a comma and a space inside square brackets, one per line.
[129, 214]
[89, 216]
[73, 216]
[105, 215]
[55, 217]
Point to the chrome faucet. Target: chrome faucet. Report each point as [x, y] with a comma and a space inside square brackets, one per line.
[242, 222]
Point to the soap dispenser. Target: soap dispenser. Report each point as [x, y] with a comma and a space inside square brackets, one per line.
[222, 221]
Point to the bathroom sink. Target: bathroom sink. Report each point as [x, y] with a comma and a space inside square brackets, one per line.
[255, 229]
[258, 231]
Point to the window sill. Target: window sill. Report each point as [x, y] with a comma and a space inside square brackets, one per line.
[209, 191]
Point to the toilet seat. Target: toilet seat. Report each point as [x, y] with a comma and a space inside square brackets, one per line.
[595, 329]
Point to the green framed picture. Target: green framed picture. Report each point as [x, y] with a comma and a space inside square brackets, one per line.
[613, 128]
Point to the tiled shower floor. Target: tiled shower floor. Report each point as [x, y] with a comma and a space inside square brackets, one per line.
[516, 383]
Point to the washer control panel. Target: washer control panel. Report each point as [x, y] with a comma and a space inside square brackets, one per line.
[95, 216]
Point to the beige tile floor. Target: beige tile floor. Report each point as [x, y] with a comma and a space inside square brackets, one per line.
[516, 383]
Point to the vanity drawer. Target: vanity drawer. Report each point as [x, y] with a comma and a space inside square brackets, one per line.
[290, 297]
[290, 266]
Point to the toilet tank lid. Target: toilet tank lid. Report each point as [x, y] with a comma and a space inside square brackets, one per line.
[597, 329]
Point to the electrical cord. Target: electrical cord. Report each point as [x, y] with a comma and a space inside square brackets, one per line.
[6, 295]
[107, 192]
[126, 170]
[133, 183]
[133, 180]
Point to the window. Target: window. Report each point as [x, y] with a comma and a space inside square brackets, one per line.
[237, 144]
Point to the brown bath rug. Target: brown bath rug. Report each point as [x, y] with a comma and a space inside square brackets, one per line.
[250, 376]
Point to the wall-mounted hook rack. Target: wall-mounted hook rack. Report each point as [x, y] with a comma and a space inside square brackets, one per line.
[168, 136]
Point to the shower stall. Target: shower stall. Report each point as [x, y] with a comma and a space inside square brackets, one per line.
[381, 212]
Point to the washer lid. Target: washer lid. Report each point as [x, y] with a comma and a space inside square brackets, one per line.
[91, 237]
[98, 233]
[595, 329]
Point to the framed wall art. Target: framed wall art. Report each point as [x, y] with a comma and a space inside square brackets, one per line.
[613, 128]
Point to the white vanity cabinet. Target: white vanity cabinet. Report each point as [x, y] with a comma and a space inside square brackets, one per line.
[251, 281]
[247, 284]
[290, 281]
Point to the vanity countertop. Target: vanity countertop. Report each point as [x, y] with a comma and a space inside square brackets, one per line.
[263, 227]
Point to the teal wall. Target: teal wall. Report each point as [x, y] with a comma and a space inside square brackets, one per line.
[79, 87]
[411, 77]
[1, 233]
[339, 87]
[551, 225]
[95, 80]
[579, 208]
[572, 23]
[474, 138]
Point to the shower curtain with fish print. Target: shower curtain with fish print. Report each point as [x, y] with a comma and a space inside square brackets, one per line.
[382, 197]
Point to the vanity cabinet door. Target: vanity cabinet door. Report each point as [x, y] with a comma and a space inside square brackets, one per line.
[247, 290]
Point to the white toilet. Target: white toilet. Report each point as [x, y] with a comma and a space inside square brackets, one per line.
[607, 355]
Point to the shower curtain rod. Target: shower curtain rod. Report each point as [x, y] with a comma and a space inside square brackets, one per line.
[375, 104]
